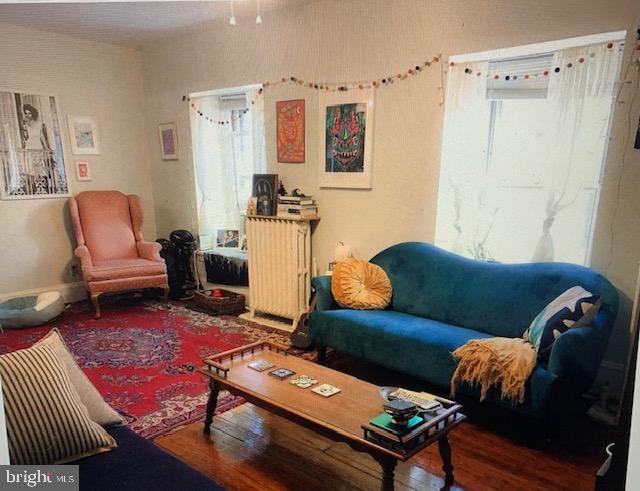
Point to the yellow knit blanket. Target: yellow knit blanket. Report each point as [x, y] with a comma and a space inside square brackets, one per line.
[506, 362]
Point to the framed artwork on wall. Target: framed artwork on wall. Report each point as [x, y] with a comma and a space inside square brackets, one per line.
[290, 117]
[83, 131]
[31, 155]
[168, 141]
[346, 136]
[83, 171]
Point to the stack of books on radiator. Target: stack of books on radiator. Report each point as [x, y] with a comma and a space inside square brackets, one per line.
[297, 207]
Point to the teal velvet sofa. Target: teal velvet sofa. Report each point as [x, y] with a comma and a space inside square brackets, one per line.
[442, 300]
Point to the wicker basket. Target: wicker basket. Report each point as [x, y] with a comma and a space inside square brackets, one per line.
[229, 303]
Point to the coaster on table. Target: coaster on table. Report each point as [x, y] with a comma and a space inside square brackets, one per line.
[260, 365]
[326, 390]
[282, 373]
[304, 381]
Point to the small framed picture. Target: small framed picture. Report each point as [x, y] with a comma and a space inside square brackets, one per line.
[229, 238]
[252, 206]
[168, 141]
[243, 242]
[265, 189]
[290, 131]
[83, 171]
[84, 135]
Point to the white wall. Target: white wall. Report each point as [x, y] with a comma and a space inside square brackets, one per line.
[88, 79]
[337, 41]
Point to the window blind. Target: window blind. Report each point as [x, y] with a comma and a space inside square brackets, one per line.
[517, 86]
[233, 101]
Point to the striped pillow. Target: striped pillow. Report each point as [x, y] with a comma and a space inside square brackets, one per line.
[46, 421]
[99, 411]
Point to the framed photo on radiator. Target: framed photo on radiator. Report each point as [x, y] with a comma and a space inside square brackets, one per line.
[265, 189]
[228, 238]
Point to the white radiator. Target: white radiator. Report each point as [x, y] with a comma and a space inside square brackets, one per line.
[279, 252]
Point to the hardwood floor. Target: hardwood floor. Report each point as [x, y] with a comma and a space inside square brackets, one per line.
[250, 449]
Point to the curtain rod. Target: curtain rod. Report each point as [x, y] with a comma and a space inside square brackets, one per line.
[538, 48]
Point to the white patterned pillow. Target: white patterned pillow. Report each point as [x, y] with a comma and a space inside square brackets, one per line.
[46, 420]
[576, 307]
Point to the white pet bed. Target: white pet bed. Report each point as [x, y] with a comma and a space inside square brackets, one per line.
[30, 310]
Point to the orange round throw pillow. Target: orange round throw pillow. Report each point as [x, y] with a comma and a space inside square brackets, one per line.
[358, 284]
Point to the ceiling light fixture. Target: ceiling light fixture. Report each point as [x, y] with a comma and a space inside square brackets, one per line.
[258, 17]
[232, 20]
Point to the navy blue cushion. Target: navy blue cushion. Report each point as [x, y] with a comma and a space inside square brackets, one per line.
[138, 464]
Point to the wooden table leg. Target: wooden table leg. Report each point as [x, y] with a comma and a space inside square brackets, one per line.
[214, 387]
[445, 453]
[322, 355]
[388, 465]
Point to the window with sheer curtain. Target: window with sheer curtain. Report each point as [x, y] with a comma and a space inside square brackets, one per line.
[226, 157]
[523, 151]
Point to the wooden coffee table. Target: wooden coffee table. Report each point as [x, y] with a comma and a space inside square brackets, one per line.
[342, 417]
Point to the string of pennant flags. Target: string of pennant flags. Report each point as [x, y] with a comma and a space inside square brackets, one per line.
[233, 119]
[544, 73]
[392, 79]
[371, 84]
[323, 86]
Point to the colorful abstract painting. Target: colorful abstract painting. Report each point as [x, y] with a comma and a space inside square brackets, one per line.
[345, 126]
[345, 130]
[290, 131]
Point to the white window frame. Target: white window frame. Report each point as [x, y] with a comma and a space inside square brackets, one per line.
[538, 48]
[549, 47]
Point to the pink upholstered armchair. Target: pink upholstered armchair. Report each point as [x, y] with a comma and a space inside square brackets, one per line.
[113, 254]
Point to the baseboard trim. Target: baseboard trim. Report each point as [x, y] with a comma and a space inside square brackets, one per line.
[269, 321]
[71, 292]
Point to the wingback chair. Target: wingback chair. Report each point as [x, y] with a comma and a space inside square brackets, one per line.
[113, 254]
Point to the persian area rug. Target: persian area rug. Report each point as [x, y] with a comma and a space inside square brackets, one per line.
[142, 356]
